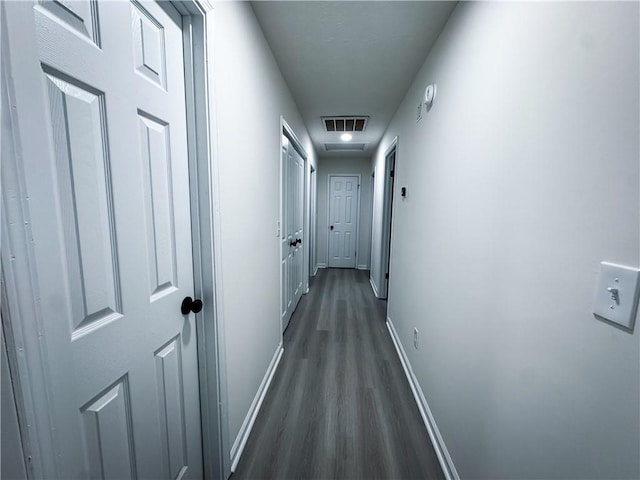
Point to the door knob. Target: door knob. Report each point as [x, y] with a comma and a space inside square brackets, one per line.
[292, 244]
[298, 240]
[190, 305]
[331, 227]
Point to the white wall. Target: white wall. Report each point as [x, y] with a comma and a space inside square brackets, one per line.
[344, 166]
[250, 96]
[521, 179]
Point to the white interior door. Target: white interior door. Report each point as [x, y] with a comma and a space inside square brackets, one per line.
[292, 229]
[100, 110]
[343, 220]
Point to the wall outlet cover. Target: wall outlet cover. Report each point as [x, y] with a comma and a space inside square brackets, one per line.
[616, 299]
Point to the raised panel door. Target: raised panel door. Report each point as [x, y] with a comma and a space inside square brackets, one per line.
[101, 86]
[343, 220]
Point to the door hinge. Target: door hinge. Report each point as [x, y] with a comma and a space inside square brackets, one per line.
[392, 171]
[386, 276]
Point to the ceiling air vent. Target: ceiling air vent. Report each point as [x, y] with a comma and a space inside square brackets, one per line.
[344, 124]
[334, 147]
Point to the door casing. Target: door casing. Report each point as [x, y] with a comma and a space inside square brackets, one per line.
[20, 313]
[313, 264]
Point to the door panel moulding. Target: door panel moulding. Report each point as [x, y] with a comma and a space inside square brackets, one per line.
[18, 265]
[446, 463]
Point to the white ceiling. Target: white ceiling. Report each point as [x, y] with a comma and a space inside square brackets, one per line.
[350, 58]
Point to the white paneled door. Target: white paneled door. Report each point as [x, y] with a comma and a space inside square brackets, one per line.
[100, 109]
[292, 233]
[343, 220]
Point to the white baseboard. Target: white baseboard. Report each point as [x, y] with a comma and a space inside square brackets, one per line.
[321, 265]
[374, 287]
[444, 458]
[362, 267]
[247, 425]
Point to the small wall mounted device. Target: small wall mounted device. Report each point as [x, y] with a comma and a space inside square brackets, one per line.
[430, 95]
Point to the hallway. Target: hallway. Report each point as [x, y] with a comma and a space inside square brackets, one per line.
[339, 405]
[174, 175]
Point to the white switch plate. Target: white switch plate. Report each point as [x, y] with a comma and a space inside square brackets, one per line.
[617, 294]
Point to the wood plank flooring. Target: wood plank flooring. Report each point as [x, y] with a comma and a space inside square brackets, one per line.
[339, 405]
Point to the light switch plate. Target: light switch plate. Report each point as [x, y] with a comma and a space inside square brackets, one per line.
[617, 295]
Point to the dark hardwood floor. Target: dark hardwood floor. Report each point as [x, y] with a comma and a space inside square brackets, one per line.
[339, 405]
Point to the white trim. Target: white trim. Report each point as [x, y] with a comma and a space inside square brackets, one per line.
[444, 458]
[362, 267]
[357, 241]
[202, 149]
[254, 409]
[392, 145]
[373, 286]
[321, 265]
[21, 312]
[313, 224]
[315, 270]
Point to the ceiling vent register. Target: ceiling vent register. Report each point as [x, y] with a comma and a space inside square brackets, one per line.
[344, 124]
[332, 147]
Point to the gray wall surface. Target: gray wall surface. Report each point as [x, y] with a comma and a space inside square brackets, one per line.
[522, 178]
[346, 166]
[250, 97]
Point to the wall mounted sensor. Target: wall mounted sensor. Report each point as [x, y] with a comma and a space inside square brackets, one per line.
[430, 95]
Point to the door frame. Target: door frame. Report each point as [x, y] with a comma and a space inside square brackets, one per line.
[313, 224]
[286, 130]
[387, 216]
[357, 243]
[21, 314]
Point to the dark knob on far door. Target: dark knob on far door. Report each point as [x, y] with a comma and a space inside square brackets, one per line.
[190, 305]
[331, 227]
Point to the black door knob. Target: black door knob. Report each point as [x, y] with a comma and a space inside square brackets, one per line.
[298, 240]
[190, 305]
[292, 244]
[331, 227]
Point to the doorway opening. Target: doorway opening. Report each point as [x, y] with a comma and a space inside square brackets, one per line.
[387, 219]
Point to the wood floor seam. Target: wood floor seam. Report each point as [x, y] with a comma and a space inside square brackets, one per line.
[339, 405]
